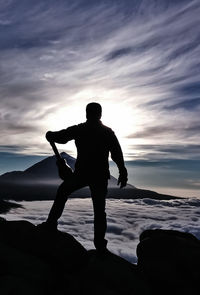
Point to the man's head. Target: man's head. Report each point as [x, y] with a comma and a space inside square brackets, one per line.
[93, 111]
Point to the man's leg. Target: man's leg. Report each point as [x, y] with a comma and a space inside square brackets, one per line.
[98, 192]
[63, 192]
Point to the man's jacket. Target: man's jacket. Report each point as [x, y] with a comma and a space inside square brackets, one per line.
[94, 142]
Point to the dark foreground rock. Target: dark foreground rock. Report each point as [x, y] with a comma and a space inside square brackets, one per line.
[36, 261]
[170, 261]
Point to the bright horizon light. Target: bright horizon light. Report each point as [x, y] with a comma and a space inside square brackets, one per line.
[120, 117]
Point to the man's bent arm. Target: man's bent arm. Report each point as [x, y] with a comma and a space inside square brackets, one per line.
[62, 136]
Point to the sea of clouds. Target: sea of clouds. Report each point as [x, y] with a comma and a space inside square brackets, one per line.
[127, 219]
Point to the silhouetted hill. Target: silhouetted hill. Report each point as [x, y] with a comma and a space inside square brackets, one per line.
[36, 261]
[45, 171]
[6, 206]
[40, 182]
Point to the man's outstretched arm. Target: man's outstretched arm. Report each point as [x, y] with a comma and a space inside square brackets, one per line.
[62, 136]
[117, 157]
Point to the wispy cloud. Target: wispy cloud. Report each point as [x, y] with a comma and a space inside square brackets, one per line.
[186, 131]
[57, 53]
[188, 105]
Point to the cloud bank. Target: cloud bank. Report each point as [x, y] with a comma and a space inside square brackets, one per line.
[127, 219]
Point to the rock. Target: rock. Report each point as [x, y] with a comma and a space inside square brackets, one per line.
[37, 261]
[56, 247]
[111, 274]
[23, 273]
[34, 259]
[170, 259]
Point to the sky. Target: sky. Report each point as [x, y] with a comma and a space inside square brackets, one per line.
[139, 59]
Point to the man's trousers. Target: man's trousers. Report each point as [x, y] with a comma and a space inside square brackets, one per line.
[98, 190]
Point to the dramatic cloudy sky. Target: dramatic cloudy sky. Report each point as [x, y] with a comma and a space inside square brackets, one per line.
[139, 59]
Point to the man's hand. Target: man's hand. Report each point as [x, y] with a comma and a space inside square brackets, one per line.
[49, 136]
[122, 180]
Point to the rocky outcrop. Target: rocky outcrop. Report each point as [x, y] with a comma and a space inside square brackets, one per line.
[41, 181]
[170, 260]
[37, 261]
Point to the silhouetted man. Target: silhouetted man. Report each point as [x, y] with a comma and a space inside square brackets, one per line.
[94, 141]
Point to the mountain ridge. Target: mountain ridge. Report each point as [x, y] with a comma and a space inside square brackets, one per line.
[46, 169]
[41, 180]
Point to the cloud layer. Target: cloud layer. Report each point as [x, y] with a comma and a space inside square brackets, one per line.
[126, 220]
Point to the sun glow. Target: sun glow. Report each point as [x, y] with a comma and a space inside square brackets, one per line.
[118, 116]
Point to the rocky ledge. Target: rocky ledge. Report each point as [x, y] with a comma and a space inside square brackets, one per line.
[36, 261]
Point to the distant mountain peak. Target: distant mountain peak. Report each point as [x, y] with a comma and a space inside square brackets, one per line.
[41, 180]
[46, 169]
